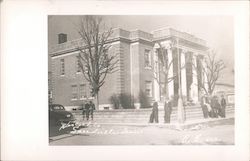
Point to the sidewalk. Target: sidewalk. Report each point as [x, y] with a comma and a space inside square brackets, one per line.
[176, 126]
[208, 128]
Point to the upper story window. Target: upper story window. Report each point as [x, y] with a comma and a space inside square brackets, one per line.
[62, 67]
[83, 91]
[78, 67]
[74, 92]
[147, 59]
[149, 88]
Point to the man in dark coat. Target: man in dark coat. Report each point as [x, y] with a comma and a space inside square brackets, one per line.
[214, 107]
[154, 113]
[91, 109]
[204, 107]
[167, 110]
[87, 107]
[217, 106]
[83, 111]
[223, 106]
[151, 117]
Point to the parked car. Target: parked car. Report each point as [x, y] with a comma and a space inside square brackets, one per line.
[58, 115]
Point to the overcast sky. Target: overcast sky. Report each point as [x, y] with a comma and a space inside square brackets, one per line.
[218, 31]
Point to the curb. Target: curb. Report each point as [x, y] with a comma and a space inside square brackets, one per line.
[176, 126]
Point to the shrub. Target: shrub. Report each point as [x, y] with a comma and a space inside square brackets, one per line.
[144, 100]
[115, 101]
[126, 101]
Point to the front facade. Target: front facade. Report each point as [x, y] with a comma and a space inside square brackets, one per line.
[139, 68]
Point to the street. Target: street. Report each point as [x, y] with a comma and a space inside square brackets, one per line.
[96, 134]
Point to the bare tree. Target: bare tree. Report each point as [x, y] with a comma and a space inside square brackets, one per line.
[210, 68]
[166, 65]
[94, 57]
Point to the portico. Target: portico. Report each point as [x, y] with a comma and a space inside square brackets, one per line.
[183, 58]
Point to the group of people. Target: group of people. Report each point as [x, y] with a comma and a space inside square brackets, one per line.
[88, 110]
[167, 112]
[212, 107]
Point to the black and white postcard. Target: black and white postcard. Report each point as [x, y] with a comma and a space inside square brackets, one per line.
[125, 80]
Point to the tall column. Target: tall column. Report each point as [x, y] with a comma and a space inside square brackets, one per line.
[135, 69]
[156, 76]
[180, 108]
[183, 76]
[170, 74]
[194, 85]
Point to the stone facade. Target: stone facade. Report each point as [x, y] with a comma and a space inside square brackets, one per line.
[138, 67]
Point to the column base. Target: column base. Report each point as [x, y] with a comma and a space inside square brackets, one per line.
[180, 108]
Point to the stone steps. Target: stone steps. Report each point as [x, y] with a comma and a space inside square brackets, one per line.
[142, 115]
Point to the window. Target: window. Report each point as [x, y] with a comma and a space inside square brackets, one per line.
[83, 91]
[62, 67]
[74, 92]
[78, 68]
[148, 88]
[147, 59]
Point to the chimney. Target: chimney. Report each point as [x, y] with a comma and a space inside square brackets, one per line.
[62, 38]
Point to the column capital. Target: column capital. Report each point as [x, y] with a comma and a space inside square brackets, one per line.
[165, 44]
[156, 46]
[184, 51]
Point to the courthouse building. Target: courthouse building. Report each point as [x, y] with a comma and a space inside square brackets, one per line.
[139, 68]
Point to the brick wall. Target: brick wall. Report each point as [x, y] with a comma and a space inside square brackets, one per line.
[115, 83]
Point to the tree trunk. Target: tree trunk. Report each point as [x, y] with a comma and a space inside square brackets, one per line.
[166, 87]
[210, 91]
[97, 101]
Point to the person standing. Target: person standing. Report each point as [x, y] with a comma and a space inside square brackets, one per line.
[213, 106]
[155, 112]
[91, 109]
[151, 117]
[83, 111]
[167, 110]
[217, 107]
[208, 106]
[87, 107]
[204, 107]
[223, 106]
